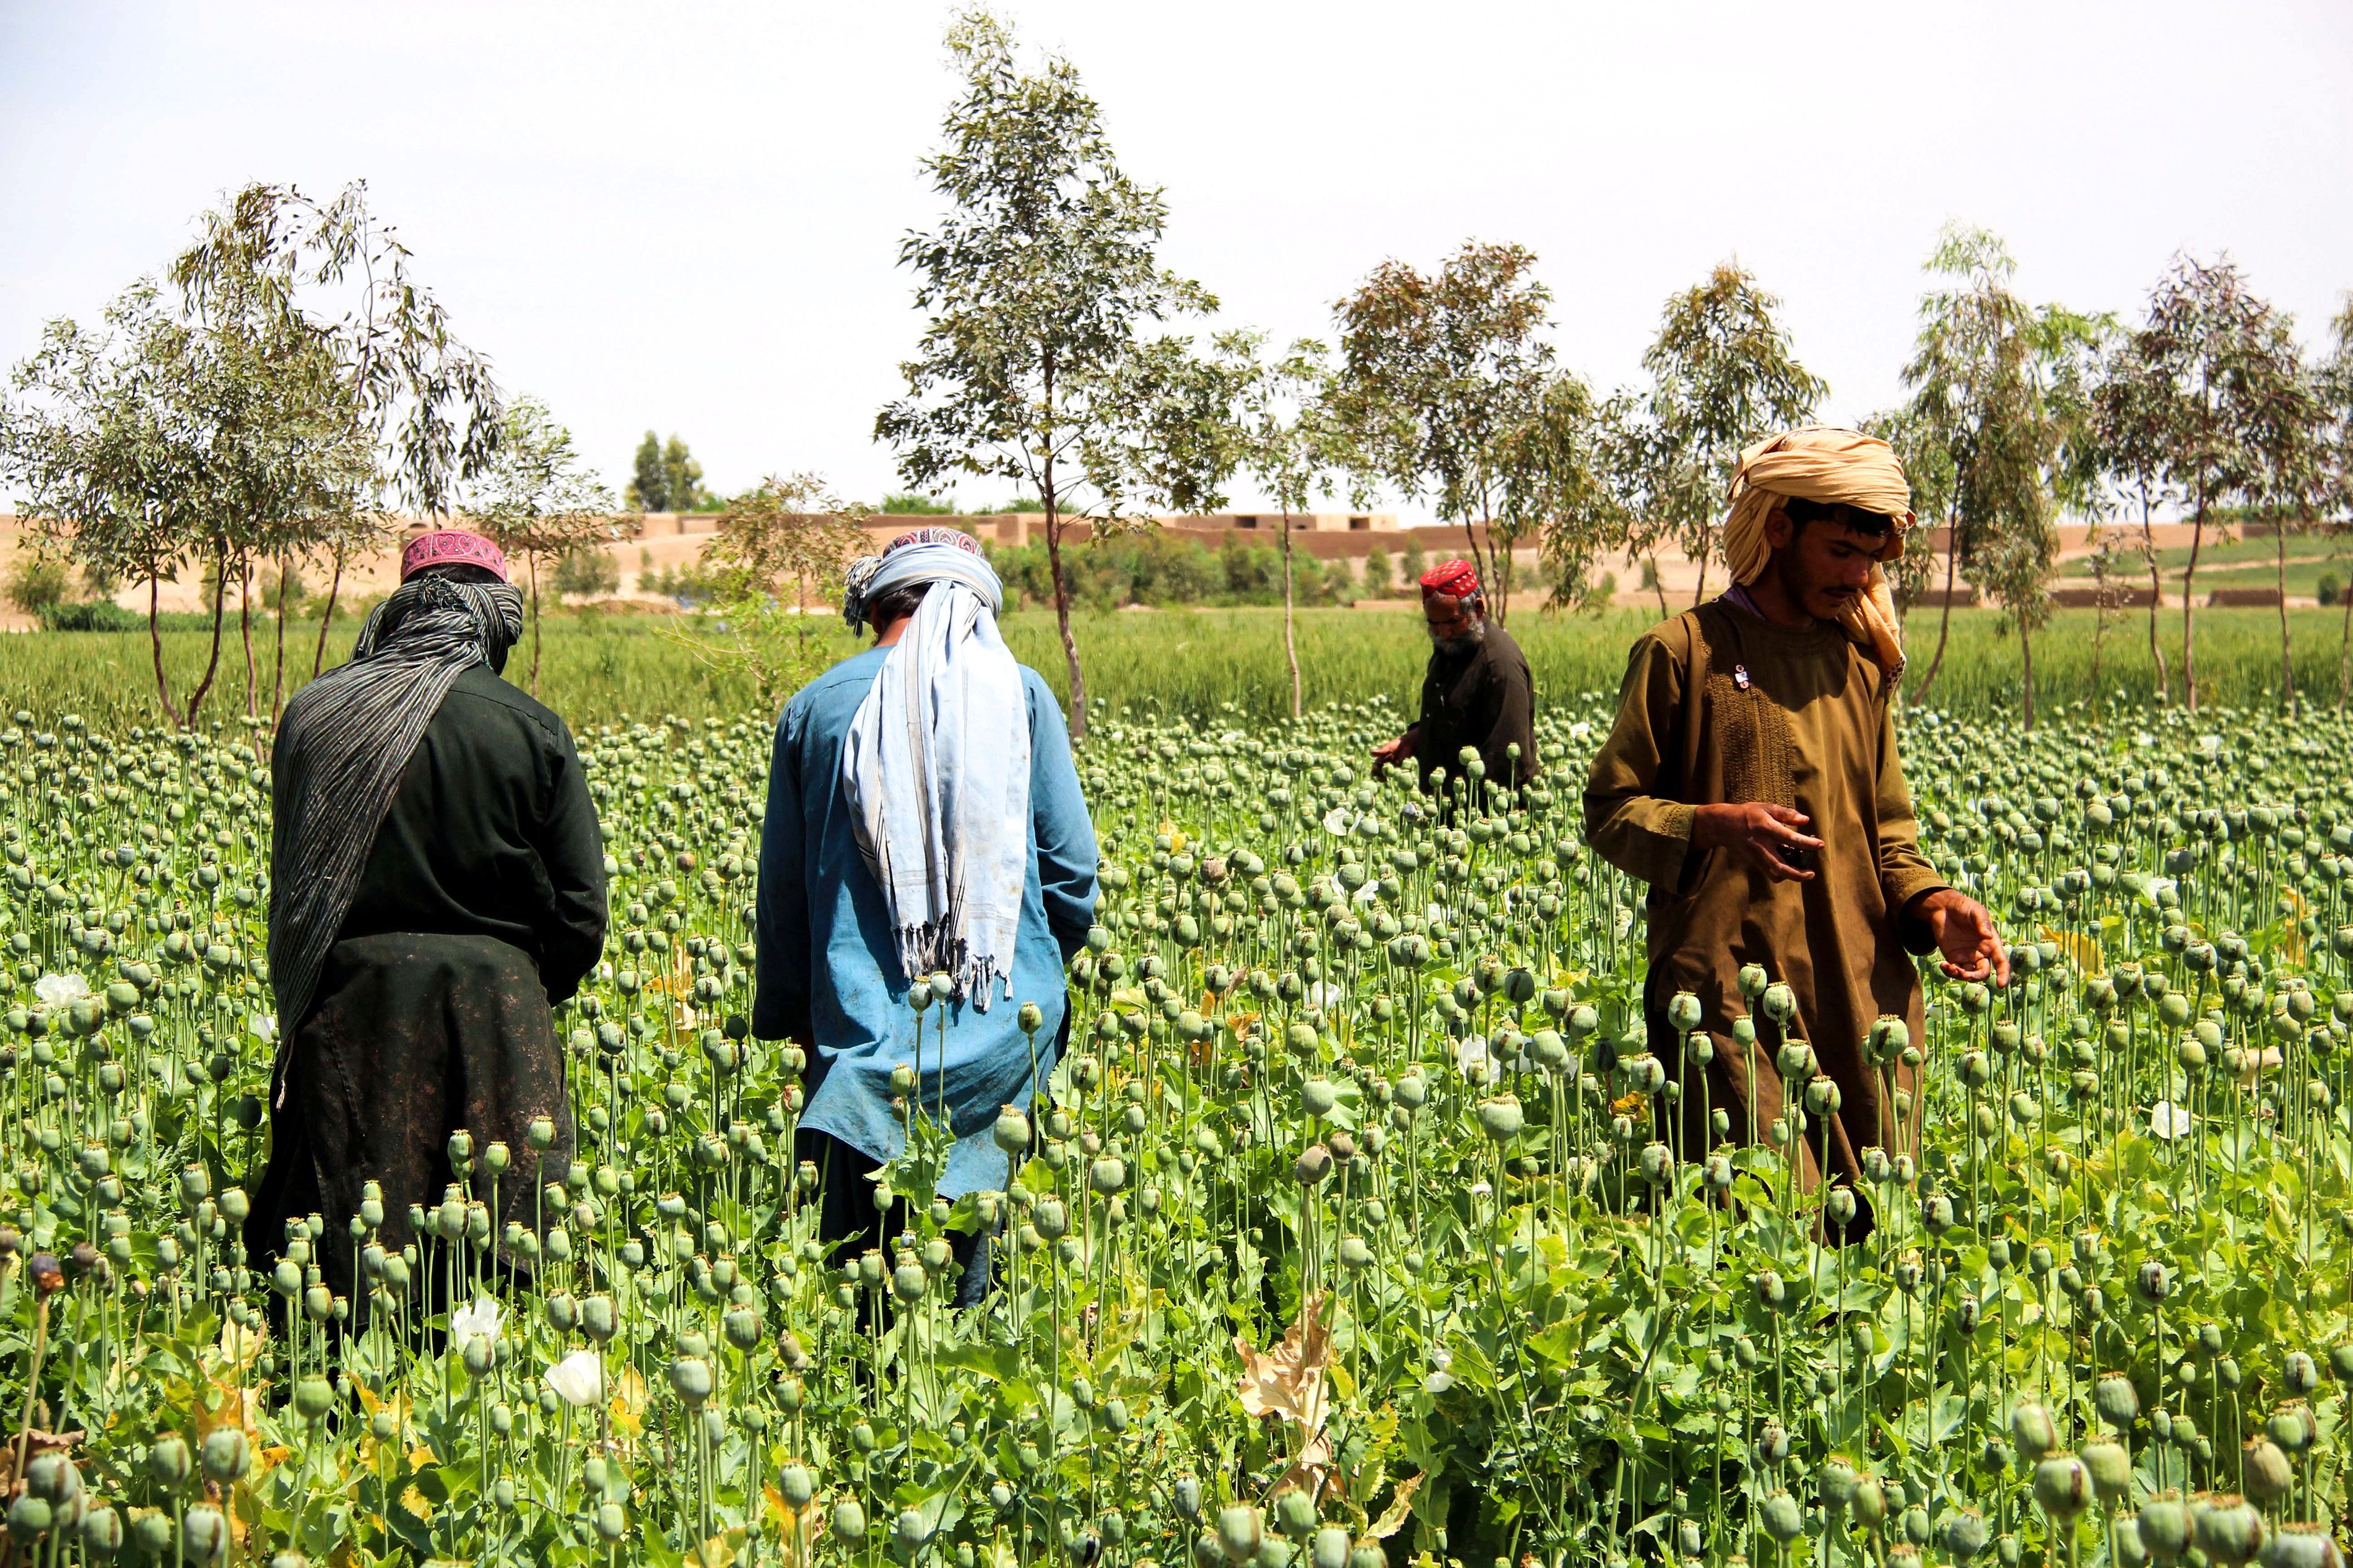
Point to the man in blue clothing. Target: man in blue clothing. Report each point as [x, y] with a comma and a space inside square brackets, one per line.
[924, 827]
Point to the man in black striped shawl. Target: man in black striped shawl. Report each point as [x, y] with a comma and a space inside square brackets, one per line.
[437, 882]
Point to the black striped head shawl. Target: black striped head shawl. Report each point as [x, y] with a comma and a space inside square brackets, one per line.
[341, 749]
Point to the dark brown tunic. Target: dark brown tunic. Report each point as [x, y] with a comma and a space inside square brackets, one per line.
[1483, 698]
[1721, 706]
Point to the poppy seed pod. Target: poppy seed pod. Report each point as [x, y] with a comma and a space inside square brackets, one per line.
[1964, 1534]
[2164, 1524]
[2062, 1486]
[2267, 1474]
[1783, 1518]
[2226, 1527]
[1240, 1532]
[1500, 1118]
[2110, 1467]
[1683, 1012]
[2116, 1400]
[2033, 1430]
[2303, 1544]
[1752, 981]
[2294, 1427]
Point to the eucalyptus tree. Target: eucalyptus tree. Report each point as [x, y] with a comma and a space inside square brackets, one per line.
[160, 441]
[1041, 284]
[2221, 372]
[1436, 372]
[2334, 391]
[1928, 471]
[2128, 409]
[1723, 375]
[1286, 439]
[1980, 379]
[1557, 483]
[538, 500]
[779, 544]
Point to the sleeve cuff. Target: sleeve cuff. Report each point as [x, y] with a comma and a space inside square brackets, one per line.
[1911, 931]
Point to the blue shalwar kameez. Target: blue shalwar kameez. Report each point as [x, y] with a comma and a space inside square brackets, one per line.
[829, 970]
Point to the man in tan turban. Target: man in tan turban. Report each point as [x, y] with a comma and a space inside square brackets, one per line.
[1752, 781]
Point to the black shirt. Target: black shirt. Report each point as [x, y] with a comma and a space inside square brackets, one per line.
[491, 833]
[1484, 699]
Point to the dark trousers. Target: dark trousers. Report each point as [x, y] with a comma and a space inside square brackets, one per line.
[850, 1223]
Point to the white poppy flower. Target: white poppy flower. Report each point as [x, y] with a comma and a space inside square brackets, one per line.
[478, 1320]
[1579, 731]
[1336, 821]
[1369, 894]
[1323, 993]
[263, 1026]
[2167, 1120]
[1470, 1055]
[1436, 915]
[1481, 1189]
[1438, 1383]
[56, 990]
[578, 1379]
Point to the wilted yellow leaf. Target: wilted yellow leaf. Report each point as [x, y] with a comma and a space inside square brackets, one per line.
[421, 1457]
[2082, 951]
[414, 1502]
[716, 1552]
[1400, 1507]
[1288, 1380]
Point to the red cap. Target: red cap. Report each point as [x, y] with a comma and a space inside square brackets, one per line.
[453, 547]
[1454, 579]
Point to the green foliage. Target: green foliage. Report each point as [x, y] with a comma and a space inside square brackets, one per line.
[908, 504]
[585, 572]
[36, 580]
[664, 477]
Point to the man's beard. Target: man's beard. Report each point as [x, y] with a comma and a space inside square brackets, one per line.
[1467, 643]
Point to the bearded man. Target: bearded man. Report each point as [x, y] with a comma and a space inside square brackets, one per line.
[925, 828]
[1752, 781]
[1476, 694]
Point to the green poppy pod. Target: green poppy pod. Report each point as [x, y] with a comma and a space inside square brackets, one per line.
[2116, 1400]
[1240, 1532]
[101, 1533]
[2227, 1527]
[1964, 1534]
[1501, 1117]
[2303, 1544]
[2062, 1485]
[2033, 1430]
[2109, 1465]
[2265, 1470]
[168, 1459]
[30, 1517]
[1752, 981]
[1783, 1518]
[204, 1534]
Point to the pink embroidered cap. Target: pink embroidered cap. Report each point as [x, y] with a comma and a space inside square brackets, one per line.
[452, 547]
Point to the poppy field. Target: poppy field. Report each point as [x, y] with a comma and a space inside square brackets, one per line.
[1349, 1232]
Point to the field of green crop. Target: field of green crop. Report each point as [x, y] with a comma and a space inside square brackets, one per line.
[1347, 1234]
[599, 669]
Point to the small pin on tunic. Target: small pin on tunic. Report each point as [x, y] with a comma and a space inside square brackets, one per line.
[1740, 676]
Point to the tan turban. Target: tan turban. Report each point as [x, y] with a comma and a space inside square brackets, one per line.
[1820, 463]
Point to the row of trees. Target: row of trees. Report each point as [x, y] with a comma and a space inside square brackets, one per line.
[272, 399]
[1052, 357]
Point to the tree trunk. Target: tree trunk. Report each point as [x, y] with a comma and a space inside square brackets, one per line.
[2099, 631]
[1699, 594]
[2345, 655]
[2287, 660]
[530, 564]
[1945, 618]
[2026, 661]
[212, 661]
[2189, 605]
[1658, 583]
[1290, 638]
[327, 616]
[2156, 598]
[278, 677]
[1062, 604]
[164, 687]
[245, 633]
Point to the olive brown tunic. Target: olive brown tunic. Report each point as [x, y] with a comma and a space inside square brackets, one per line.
[1722, 706]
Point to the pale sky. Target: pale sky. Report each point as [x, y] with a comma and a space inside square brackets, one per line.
[686, 215]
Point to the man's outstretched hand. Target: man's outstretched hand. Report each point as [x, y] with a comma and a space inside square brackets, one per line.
[1965, 935]
[1760, 837]
[1394, 754]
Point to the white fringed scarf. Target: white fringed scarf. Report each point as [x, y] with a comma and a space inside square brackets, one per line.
[937, 763]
